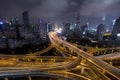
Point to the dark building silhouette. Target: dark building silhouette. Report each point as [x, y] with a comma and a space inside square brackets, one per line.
[44, 28]
[100, 32]
[84, 27]
[78, 29]
[17, 25]
[66, 28]
[49, 28]
[4, 36]
[78, 21]
[116, 30]
[25, 18]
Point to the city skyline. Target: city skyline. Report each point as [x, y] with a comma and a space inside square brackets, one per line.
[59, 40]
[90, 11]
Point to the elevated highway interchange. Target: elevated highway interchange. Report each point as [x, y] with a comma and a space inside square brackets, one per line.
[80, 65]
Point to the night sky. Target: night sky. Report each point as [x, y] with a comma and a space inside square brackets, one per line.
[90, 11]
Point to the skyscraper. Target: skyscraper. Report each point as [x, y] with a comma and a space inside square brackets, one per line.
[78, 30]
[25, 18]
[66, 28]
[44, 28]
[100, 32]
[78, 21]
[116, 30]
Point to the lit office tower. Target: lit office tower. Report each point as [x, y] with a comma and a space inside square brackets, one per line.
[100, 32]
[25, 17]
[116, 30]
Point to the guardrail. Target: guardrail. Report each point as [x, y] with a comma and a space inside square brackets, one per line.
[98, 51]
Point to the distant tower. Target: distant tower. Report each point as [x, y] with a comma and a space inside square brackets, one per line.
[78, 30]
[78, 21]
[25, 17]
[116, 29]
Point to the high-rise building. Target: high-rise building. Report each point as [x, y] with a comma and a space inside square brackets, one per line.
[78, 29]
[16, 25]
[44, 28]
[78, 21]
[84, 27]
[72, 26]
[116, 30]
[100, 32]
[66, 28]
[49, 27]
[40, 27]
[25, 18]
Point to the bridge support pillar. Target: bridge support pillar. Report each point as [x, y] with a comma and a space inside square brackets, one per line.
[103, 71]
[104, 52]
[6, 78]
[29, 77]
[41, 60]
[97, 53]
[112, 51]
[111, 63]
[82, 70]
